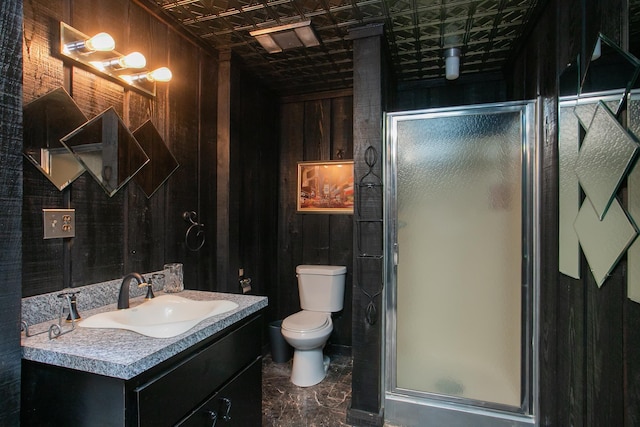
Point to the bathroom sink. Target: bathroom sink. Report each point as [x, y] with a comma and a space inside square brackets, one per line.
[161, 317]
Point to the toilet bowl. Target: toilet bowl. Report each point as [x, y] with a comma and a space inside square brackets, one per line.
[307, 332]
[321, 289]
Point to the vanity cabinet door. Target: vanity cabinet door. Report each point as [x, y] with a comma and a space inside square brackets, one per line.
[168, 397]
[238, 403]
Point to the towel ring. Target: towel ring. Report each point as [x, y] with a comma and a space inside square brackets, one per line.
[194, 232]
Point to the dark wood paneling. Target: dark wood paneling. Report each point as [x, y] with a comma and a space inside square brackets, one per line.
[569, 30]
[258, 165]
[10, 214]
[316, 146]
[631, 319]
[102, 15]
[226, 207]
[317, 130]
[548, 312]
[42, 259]
[367, 277]
[289, 226]
[604, 349]
[342, 128]
[467, 90]
[568, 382]
[182, 193]
[41, 72]
[85, 88]
[208, 130]
[341, 226]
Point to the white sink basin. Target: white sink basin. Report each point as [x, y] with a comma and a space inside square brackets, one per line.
[161, 317]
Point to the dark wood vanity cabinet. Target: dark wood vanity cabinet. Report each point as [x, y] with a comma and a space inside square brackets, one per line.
[231, 406]
[220, 377]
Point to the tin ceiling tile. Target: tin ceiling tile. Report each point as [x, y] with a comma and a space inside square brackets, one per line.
[416, 31]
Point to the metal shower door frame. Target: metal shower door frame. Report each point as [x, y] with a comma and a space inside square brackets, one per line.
[429, 409]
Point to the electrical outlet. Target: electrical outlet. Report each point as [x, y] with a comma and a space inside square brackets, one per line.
[59, 223]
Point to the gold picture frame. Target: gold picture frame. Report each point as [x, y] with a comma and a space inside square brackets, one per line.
[325, 187]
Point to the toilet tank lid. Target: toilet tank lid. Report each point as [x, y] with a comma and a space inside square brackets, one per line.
[323, 270]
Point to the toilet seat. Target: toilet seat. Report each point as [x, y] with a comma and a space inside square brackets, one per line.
[306, 321]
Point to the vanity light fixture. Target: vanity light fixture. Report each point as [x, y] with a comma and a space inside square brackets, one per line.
[289, 36]
[162, 74]
[98, 55]
[452, 63]
[132, 60]
[101, 42]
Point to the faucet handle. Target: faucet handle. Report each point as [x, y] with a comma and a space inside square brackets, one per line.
[149, 286]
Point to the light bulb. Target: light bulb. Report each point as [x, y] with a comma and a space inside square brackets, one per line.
[102, 42]
[452, 67]
[452, 63]
[162, 74]
[133, 60]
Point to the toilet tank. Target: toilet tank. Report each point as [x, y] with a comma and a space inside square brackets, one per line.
[321, 287]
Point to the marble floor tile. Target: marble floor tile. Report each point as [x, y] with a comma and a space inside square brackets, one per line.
[322, 405]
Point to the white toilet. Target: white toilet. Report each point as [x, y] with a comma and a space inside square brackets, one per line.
[321, 289]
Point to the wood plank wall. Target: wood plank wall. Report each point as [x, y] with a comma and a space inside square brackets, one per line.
[313, 127]
[466, 90]
[10, 214]
[590, 344]
[367, 396]
[126, 232]
[255, 154]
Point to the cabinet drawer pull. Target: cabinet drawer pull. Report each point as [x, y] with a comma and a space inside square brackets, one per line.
[225, 408]
[213, 416]
[226, 404]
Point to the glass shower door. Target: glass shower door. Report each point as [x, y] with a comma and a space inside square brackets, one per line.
[459, 226]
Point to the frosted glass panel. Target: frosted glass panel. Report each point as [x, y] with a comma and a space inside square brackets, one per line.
[459, 276]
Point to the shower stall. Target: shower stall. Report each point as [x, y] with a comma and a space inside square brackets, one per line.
[461, 269]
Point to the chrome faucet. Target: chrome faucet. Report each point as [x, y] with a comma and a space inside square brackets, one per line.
[123, 296]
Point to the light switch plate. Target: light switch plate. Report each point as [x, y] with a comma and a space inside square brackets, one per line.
[59, 223]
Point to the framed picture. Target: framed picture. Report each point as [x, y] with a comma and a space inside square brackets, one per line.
[325, 187]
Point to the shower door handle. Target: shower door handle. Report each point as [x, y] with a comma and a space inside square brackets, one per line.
[396, 253]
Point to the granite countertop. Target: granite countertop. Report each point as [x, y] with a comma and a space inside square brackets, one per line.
[124, 354]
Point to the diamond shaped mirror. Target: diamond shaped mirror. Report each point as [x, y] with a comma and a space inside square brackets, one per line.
[46, 120]
[107, 149]
[610, 68]
[597, 154]
[162, 163]
[606, 156]
[615, 229]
